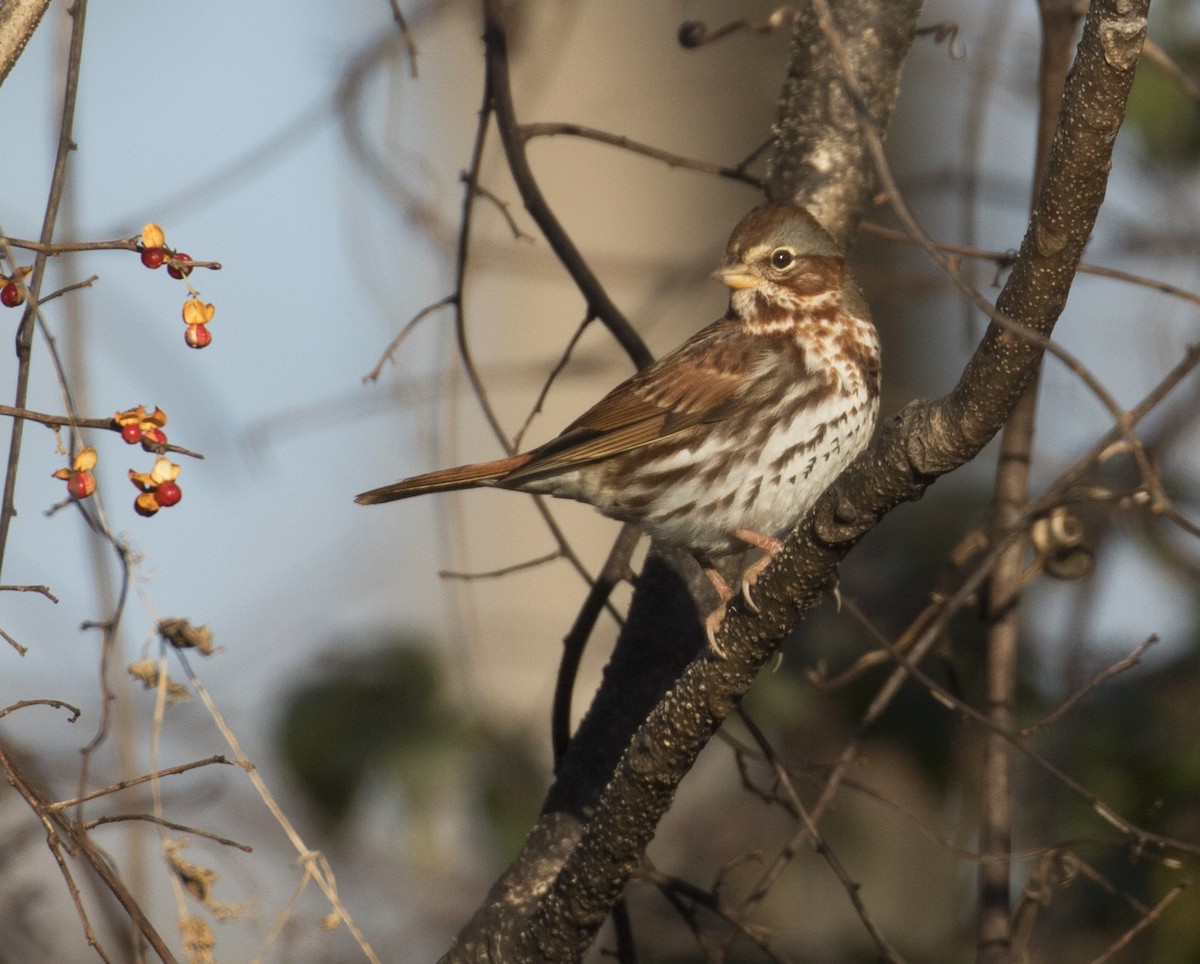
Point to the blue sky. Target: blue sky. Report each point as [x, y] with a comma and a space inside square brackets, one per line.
[320, 270]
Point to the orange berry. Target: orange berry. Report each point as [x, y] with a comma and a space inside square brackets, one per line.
[198, 336]
[81, 484]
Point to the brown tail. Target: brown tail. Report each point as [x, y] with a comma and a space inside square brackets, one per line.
[445, 480]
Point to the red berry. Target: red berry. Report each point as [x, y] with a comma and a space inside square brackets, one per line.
[12, 295]
[179, 273]
[153, 257]
[167, 494]
[152, 437]
[197, 336]
[131, 433]
[80, 485]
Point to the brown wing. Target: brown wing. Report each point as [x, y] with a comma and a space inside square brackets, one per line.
[704, 380]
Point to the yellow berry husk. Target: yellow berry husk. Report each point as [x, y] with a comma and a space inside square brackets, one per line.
[164, 471]
[152, 236]
[196, 312]
[85, 461]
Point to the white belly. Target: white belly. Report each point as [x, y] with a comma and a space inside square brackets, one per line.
[775, 481]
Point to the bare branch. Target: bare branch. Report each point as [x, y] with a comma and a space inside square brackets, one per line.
[57, 704]
[1120, 666]
[184, 828]
[144, 778]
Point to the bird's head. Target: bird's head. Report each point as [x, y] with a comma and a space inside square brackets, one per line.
[781, 253]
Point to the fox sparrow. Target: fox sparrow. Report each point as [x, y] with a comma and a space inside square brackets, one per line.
[728, 440]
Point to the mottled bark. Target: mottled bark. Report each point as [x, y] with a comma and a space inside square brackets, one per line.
[579, 856]
[663, 630]
[820, 157]
[18, 20]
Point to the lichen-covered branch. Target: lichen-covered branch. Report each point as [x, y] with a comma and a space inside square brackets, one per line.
[18, 20]
[820, 158]
[663, 628]
[925, 441]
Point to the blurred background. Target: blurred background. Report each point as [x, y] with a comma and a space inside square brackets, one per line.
[401, 716]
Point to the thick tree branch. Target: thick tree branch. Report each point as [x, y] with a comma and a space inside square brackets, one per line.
[925, 441]
[18, 20]
[663, 628]
[821, 159]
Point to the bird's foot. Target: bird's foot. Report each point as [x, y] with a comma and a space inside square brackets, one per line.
[712, 622]
[770, 547]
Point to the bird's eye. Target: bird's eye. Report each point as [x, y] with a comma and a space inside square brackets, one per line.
[782, 258]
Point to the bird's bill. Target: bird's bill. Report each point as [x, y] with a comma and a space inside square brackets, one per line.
[737, 276]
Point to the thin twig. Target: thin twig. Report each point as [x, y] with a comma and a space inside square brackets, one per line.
[44, 590]
[76, 712]
[693, 33]
[144, 778]
[1120, 666]
[809, 831]
[21, 650]
[406, 35]
[314, 861]
[85, 283]
[120, 244]
[101, 424]
[1004, 259]
[710, 901]
[1160, 58]
[183, 828]
[671, 159]
[60, 830]
[503, 207]
[1149, 918]
[503, 571]
[389, 352]
[554, 373]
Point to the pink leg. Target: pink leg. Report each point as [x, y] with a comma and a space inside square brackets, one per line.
[770, 546]
[712, 622]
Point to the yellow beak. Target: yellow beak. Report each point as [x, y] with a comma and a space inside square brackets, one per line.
[737, 276]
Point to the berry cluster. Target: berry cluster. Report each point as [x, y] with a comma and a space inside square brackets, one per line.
[139, 426]
[196, 314]
[158, 487]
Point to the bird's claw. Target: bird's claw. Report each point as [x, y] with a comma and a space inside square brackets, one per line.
[750, 577]
[748, 580]
[712, 623]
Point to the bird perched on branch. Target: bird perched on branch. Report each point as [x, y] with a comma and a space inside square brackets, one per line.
[729, 440]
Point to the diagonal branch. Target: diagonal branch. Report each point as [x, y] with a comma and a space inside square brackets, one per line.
[514, 137]
[924, 442]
